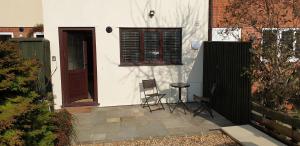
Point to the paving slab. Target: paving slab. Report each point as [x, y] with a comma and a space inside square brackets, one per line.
[250, 136]
[108, 124]
[113, 120]
[176, 123]
[98, 136]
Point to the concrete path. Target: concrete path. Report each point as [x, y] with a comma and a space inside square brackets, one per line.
[107, 124]
[247, 135]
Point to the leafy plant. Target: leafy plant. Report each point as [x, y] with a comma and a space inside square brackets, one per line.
[65, 131]
[25, 118]
[17, 78]
[276, 76]
[36, 28]
[274, 69]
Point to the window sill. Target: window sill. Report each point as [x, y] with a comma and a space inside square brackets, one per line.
[143, 64]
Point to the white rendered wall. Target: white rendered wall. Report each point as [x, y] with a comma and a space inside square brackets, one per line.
[20, 13]
[120, 85]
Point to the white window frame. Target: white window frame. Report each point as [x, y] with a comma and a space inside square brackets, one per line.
[279, 36]
[37, 33]
[7, 33]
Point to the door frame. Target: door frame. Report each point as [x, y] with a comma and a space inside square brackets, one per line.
[64, 65]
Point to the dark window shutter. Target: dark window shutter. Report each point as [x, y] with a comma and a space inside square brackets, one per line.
[297, 44]
[287, 39]
[172, 47]
[130, 46]
[151, 46]
[269, 38]
[5, 37]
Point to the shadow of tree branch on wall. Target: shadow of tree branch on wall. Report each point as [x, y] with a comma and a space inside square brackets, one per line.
[185, 15]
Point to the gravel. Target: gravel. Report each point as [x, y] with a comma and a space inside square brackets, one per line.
[211, 139]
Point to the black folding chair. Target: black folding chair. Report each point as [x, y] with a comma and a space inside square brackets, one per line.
[205, 102]
[151, 93]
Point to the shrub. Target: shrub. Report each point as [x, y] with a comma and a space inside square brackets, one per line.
[276, 75]
[64, 129]
[25, 118]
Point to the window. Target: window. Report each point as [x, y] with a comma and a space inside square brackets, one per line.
[269, 37]
[289, 37]
[150, 46]
[5, 36]
[38, 35]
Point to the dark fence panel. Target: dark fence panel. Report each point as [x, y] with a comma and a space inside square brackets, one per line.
[280, 125]
[39, 49]
[225, 63]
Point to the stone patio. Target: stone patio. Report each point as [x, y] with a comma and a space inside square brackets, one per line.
[96, 125]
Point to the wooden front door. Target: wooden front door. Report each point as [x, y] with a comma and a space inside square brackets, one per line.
[77, 65]
[74, 47]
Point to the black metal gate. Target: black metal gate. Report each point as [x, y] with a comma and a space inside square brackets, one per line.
[225, 64]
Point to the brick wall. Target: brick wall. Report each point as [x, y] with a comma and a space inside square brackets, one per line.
[217, 10]
[16, 32]
[217, 15]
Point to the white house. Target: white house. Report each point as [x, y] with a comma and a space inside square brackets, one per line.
[101, 50]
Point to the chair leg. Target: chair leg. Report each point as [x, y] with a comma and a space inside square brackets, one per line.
[211, 114]
[204, 107]
[184, 107]
[200, 107]
[149, 107]
[170, 109]
[196, 111]
[147, 104]
[210, 111]
[175, 107]
[144, 103]
[159, 101]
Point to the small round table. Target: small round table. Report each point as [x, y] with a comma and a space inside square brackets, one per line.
[180, 86]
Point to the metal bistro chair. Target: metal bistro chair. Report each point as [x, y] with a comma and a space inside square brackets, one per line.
[151, 93]
[205, 102]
